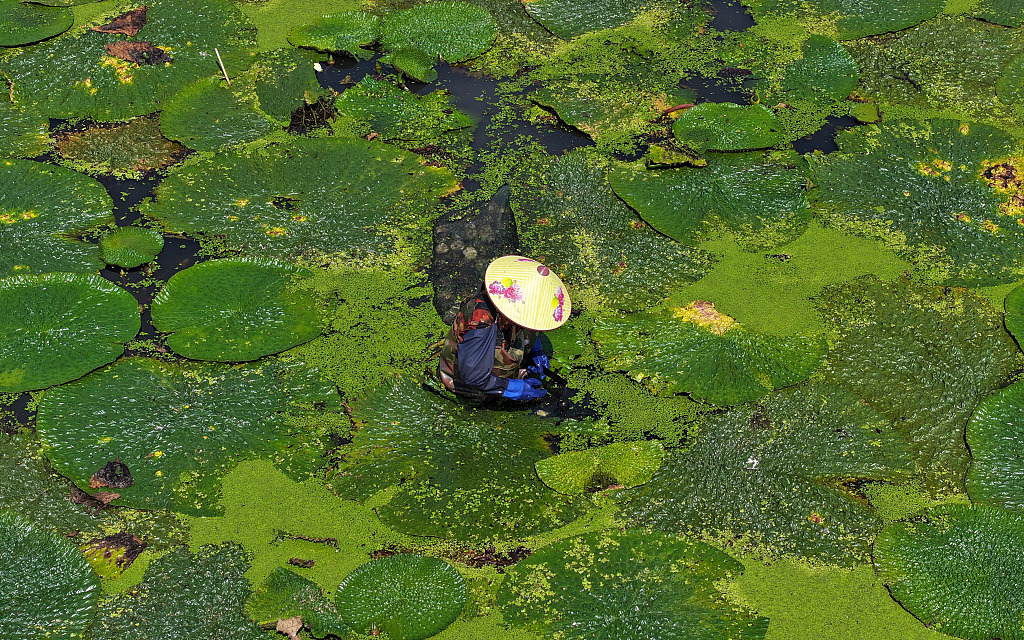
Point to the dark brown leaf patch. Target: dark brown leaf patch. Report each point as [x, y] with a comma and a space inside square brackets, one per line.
[129, 23]
[122, 546]
[138, 52]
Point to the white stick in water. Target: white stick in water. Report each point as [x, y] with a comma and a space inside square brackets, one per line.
[222, 66]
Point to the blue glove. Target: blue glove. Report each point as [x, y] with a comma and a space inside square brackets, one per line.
[540, 362]
[528, 389]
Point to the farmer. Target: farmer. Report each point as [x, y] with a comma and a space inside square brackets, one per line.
[493, 348]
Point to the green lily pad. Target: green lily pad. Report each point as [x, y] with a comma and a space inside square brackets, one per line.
[60, 326]
[25, 23]
[130, 247]
[1010, 86]
[570, 18]
[83, 80]
[299, 194]
[603, 252]
[126, 150]
[724, 126]
[208, 115]
[852, 18]
[826, 70]
[180, 427]
[395, 114]
[51, 589]
[453, 30]
[627, 586]
[753, 194]
[183, 596]
[1008, 13]
[23, 133]
[42, 209]
[932, 189]
[283, 80]
[414, 63]
[466, 474]
[994, 436]
[705, 353]
[1014, 319]
[407, 596]
[349, 31]
[624, 464]
[284, 595]
[896, 350]
[236, 309]
[762, 471]
[958, 569]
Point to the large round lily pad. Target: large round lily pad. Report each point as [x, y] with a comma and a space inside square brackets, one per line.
[86, 78]
[626, 464]
[724, 126]
[349, 31]
[42, 209]
[826, 69]
[383, 107]
[50, 590]
[299, 194]
[407, 596]
[995, 435]
[939, 190]
[235, 310]
[25, 23]
[208, 115]
[705, 353]
[453, 30]
[754, 194]
[959, 568]
[130, 247]
[627, 586]
[853, 18]
[179, 427]
[59, 326]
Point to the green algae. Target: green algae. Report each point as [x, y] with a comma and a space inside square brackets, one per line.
[898, 500]
[806, 601]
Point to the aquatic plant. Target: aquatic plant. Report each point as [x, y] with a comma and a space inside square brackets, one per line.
[284, 594]
[208, 115]
[283, 80]
[25, 23]
[623, 464]
[1004, 12]
[897, 343]
[130, 247]
[768, 471]
[179, 427]
[570, 18]
[760, 196]
[97, 84]
[349, 31]
[195, 596]
[283, 196]
[50, 588]
[825, 69]
[705, 353]
[850, 19]
[407, 596]
[466, 473]
[452, 30]
[44, 209]
[724, 126]
[23, 134]
[993, 436]
[627, 586]
[60, 326]
[236, 309]
[958, 569]
[125, 151]
[383, 107]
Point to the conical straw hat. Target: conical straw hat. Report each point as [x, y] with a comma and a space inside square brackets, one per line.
[527, 293]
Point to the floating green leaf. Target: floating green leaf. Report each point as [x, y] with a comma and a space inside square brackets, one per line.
[24, 23]
[724, 126]
[468, 473]
[299, 194]
[994, 435]
[706, 354]
[83, 80]
[625, 464]
[959, 569]
[23, 133]
[407, 596]
[1005, 12]
[283, 79]
[236, 309]
[59, 326]
[570, 18]
[1014, 319]
[180, 427]
[385, 108]
[348, 31]
[453, 30]
[125, 150]
[208, 115]
[763, 470]
[42, 209]
[897, 344]
[826, 70]
[939, 188]
[752, 193]
[50, 589]
[1010, 86]
[130, 247]
[414, 63]
[183, 596]
[627, 586]
[853, 18]
[284, 594]
[606, 255]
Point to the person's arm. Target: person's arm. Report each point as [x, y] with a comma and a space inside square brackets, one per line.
[476, 360]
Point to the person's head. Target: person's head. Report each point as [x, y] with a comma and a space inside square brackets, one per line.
[527, 293]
